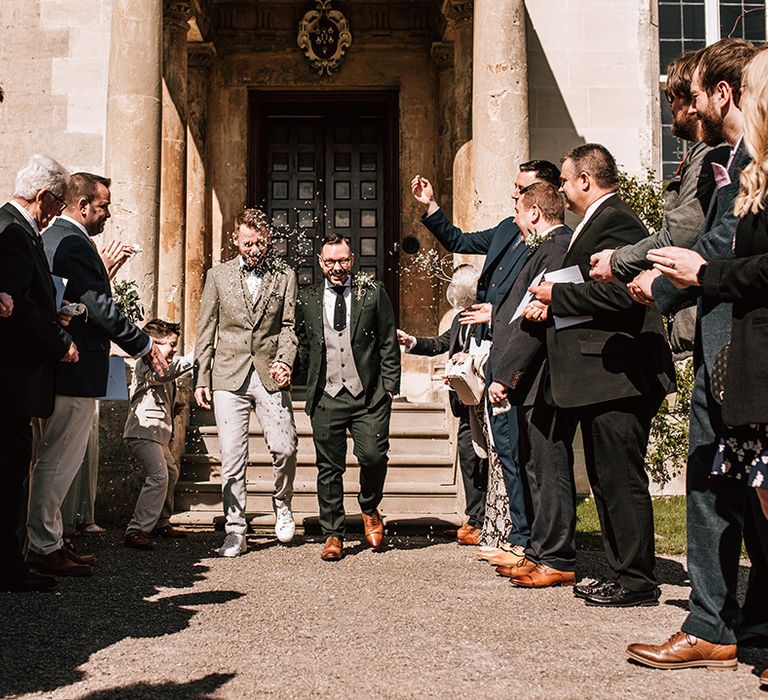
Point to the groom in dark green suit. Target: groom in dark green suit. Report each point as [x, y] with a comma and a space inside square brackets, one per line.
[348, 343]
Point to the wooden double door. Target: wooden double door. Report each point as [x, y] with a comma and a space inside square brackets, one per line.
[326, 162]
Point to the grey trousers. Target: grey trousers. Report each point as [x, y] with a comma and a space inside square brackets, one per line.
[154, 506]
[275, 414]
[63, 439]
[79, 505]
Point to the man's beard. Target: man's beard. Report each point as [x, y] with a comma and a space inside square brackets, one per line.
[711, 128]
[685, 128]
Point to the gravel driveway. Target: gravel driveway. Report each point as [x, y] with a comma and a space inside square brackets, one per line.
[421, 619]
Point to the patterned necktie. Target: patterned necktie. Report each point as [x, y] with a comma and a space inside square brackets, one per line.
[340, 309]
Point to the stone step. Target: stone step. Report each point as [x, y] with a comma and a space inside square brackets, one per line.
[408, 498]
[434, 442]
[439, 472]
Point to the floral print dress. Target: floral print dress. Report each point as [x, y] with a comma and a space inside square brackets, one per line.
[743, 454]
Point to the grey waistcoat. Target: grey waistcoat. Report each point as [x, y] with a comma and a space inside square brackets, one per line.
[341, 371]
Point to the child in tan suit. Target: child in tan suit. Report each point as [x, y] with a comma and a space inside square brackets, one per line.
[147, 434]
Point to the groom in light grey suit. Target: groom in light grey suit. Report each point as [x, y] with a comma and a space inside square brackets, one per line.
[244, 352]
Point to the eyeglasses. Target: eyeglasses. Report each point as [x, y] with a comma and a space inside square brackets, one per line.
[344, 262]
[62, 204]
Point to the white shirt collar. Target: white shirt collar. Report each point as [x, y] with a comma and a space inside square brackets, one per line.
[549, 230]
[26, 215]
[76, 223]
[592, 208]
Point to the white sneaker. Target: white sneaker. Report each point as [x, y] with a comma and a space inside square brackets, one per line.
[233, 546]
[285, 527]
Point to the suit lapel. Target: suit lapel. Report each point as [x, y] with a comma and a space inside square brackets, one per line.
[240, 286]
[35, 238]
[356, 299]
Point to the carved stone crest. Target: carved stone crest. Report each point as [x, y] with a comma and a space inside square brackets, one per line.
[324, 37]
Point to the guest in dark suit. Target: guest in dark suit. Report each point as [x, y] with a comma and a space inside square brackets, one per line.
[506, 255]
[474, 469]
[348, 343]
[31, 345]
[611, 370]
[718, 511]
[518, 356]
[64, 435]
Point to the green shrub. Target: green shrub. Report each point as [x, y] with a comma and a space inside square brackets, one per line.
[126, 296]
[645, 196]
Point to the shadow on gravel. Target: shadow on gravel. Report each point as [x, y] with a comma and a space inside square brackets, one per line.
[592, 564]
[194, 690]
[48, 636]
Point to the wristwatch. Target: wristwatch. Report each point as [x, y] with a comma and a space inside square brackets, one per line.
[700, 274]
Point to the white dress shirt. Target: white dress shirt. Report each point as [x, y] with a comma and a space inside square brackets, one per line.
[329, 299]
[252, 280]
[591, 209]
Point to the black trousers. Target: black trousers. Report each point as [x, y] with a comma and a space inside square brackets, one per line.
[16, 442]
[546, 451]
[474, 473]
[369, 427]
[615, 435]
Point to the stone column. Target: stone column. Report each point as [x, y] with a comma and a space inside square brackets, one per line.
[198, 238]
[458, 14]
[170, 301]
[132, 150]
[499, 106]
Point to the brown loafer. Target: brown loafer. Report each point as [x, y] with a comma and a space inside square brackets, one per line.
[463, 531]
[471, 538]
[169, 532]
[374, 529]
[542, 576]
[683, 650]
[333, 549]
[135, 539]
[56, 564]
[72, 555]
[764, 678]
[524, 566]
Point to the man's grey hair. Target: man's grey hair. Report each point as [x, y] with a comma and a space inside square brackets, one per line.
[41, 173]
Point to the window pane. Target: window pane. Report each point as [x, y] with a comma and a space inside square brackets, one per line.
[306, 190]
[280, 162]
[342, 218]
[670, 23]
[342, 190]
[306, 134]
[306, 218]
[341, 134]
[306, 162]
[342, 161]
[368, 162]
[368, 247]
[368, 218]
[694, 26]
[279, 190]
[279, 217]
[367, 190]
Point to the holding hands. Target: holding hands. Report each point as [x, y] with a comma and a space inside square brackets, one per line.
[536, 312]
[641, 288]
[679, 265]
[281, 373]
[6, 305]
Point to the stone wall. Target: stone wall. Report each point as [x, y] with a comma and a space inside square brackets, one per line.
[55, 56]
[593, 76]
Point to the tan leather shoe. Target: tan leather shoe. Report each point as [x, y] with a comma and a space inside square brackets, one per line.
[764, 678]
[463, 531]
[87, 559]
[169, 532]
[333, 549]
[472, 538]
[135, 539]
[523, 567]
[542, 576]
[56, 564]
[683, 650]
[374, 529]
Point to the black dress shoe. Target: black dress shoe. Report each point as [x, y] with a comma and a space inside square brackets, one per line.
[29, 581]
[584, 590]
[619, 597]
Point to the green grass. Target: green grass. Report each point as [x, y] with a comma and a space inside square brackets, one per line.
[668, 517]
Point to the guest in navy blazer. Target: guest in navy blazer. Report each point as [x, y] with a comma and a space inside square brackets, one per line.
[506, 254]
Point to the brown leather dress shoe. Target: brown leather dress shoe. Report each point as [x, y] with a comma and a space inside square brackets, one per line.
[542, 576]
[463, 531]
[333, 549]
[135, 539]
[764, 678]
[683, 650]
[374, 529]
[169, 532]
[56, 564]
[472, 537]
[72, 555]
[520, 567]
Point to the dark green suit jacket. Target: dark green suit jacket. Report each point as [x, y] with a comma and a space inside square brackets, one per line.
[372, 335]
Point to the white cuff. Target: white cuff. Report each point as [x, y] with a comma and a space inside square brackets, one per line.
[144, 351]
